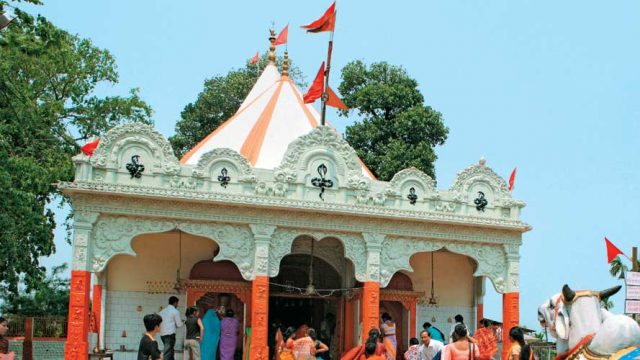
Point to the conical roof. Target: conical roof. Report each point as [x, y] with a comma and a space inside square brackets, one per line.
[271, 117]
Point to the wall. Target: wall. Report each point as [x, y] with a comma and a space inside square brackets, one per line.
[123, 314]
[42, 349]
[156, 259]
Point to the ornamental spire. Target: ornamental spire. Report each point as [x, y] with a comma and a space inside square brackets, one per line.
[285, 64]
[272, 47]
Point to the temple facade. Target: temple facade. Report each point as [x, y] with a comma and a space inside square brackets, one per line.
[277, 214]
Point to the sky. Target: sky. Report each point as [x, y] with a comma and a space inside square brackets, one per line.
[552, 87]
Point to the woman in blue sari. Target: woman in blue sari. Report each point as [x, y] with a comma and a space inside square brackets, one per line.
[211, 337]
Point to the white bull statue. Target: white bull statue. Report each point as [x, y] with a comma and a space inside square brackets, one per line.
[584, 330]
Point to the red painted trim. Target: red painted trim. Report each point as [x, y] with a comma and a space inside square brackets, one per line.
[370, 307]
[259, 318]
[510, 318]
[97, 306]
[479, 312]
[77, 346]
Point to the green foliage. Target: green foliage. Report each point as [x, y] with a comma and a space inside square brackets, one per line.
[618, 269]
[47, 108]
[396, 129]
[50, 297]
[220, 99]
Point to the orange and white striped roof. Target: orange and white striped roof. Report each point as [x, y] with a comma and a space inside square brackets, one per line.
[271, 117]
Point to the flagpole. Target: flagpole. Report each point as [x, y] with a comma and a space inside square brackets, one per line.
[325, 95]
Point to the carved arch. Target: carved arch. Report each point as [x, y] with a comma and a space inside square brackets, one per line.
[490, 258]
[210, 158]
[116, 140]
[282, 241]
[480, 174]
[112, 235]
[426, 184]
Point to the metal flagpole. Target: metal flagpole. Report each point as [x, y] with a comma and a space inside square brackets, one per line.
[325, 94]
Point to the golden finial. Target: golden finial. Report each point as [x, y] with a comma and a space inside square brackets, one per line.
[285, 64]
[272, 47]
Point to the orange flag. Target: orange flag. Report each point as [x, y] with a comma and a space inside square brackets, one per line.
[317, 88]
[282, 37]
[254, 59]
[326, 22]
[612, 250]
[334, 100]
[512, 178]
[90, 147]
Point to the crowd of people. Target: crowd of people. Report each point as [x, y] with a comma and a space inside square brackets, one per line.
[212, 337]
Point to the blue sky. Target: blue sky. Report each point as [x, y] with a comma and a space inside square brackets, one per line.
[552, 87]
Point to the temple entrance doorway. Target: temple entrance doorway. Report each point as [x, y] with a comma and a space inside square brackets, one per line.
[309, 292]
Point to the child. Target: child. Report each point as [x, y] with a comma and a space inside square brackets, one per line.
[148, 349]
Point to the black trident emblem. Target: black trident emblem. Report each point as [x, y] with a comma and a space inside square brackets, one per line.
[480, 201]
[321, 182]
[135, 168]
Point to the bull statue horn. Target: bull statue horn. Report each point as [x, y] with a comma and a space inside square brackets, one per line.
[568, 293]
[604, 294]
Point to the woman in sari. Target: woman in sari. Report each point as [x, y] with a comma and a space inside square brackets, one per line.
[358, 352]
[211, 337]
[284, 344]
[388, 328]
[229, 330]
[304, 348]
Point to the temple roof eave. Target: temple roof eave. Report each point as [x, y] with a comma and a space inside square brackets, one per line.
[255, 201]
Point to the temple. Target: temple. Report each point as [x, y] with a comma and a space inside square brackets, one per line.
[279, 216]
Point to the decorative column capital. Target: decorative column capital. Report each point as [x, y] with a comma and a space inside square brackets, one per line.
[373, 243]
[262, 236]
[513, 275]
[84, 219]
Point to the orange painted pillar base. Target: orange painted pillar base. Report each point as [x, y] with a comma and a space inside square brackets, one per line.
[510, 318]
[259, 318]
[96, 308]
[412, 319]
[77, 346]
[479, 312]
[370, 307]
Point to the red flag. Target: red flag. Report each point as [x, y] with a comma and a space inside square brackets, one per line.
[334, 100]
[325, 23]
[282, 37]
[90, 147]
[512, 178]
[612, 250]
[317, 88]
[254, 59]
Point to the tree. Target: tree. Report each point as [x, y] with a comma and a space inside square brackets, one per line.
[47, 109]
[220, 99]
[50, 297]
[618, 269]
[396, 129]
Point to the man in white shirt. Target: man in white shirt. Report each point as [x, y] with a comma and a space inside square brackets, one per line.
[170, 322]
[429, 347]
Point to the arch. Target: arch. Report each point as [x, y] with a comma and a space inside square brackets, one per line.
[490, 258]
[112, 235]
[215, 270]
[400, 281]
[326, 276]
[282, 241]
[209, 159]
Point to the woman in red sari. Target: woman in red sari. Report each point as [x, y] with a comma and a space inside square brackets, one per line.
[358, 352]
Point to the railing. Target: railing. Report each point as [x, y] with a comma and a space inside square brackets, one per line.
[544, 350]
[42, 327]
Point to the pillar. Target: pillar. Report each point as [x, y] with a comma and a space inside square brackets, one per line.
[370, 307]
[96, 309]
[77, 346]
[510, 318]
[412, 319]
[259, 349]
[479, 291]
[510, 301]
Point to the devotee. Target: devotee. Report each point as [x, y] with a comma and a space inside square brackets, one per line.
[304, 348]
[195, 331]
[430, 347]
[170, 322]
[497, 330]
[320, 347]
[458, 320]
[519, 349]
[487, 344]
[229, 331]
[4, 342]
[148, 349]
[412, 353]
[462, 347]
[284, 344]
[370, 351]
[434, 332]
[211, 336]
[358, 352]
[388, 328]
